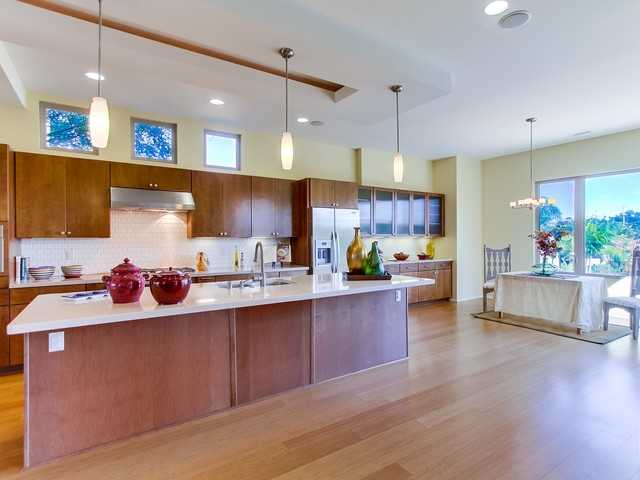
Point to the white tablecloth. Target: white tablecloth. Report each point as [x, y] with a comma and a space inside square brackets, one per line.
[564, 299]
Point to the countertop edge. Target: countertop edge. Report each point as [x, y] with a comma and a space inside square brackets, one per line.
[16, 327]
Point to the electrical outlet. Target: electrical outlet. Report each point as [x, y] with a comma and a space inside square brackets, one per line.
[56, 342]
[398, 295]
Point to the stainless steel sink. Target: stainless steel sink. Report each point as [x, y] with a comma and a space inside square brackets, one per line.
[271, 282]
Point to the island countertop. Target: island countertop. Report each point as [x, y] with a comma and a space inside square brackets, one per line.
[53, 312]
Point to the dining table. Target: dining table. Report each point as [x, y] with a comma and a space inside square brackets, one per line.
[569, 299]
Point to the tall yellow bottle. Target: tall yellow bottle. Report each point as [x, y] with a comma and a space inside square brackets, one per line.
[430, 249]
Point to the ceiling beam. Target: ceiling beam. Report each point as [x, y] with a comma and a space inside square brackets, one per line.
[8, 68]
[176, 42]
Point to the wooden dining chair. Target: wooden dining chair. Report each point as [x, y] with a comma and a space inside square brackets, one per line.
[630, 304]
[496, 261]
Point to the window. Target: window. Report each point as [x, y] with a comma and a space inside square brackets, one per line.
[65, 128]
[560, 220]
[601, 216]
[221, 150]
[154, 141]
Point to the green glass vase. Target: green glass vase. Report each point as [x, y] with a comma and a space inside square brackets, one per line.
[373, 264]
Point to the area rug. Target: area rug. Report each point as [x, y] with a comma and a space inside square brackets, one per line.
[600, 337]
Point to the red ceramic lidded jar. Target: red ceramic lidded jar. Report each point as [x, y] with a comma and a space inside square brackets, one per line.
[126, 283]
[170, 287]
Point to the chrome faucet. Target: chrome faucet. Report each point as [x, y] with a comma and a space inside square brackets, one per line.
[263, 281]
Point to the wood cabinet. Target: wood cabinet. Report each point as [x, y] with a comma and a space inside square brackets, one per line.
[271, 207]
[149, 177]
[61, 197]
[333, 193]
[439, 271]
[401, 213]
[5, 352]
[223, 206]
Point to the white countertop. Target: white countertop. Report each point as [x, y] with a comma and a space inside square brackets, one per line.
[52, 312]
[97, 277]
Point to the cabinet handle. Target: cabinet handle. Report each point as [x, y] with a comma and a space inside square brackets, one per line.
[151, 184]
[62, 233]
[155, 185]
[68, 233]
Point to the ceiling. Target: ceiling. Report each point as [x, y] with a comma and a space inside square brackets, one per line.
[469, 84]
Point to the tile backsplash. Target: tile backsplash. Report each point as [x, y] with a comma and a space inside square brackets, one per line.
[149, 239]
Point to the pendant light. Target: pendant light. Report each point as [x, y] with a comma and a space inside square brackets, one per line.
[398, 161]
[99, 111]
[531, 202]
[286, 145]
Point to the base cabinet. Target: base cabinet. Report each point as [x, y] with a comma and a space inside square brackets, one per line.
[440, 272]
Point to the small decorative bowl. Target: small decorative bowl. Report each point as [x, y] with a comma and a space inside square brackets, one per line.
[71, 271]
[424, 256]
[400, 256]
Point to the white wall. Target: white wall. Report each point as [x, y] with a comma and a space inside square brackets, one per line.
[507, 178]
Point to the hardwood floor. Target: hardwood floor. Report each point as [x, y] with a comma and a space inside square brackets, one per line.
[477, 400]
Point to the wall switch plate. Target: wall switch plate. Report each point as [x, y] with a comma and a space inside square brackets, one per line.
[56, 342]
[398, 295]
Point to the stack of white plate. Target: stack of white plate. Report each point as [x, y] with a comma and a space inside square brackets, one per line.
[71, 271]
[41, 273]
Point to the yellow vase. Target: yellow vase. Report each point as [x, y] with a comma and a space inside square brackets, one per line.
[355, 252]
[431, 249]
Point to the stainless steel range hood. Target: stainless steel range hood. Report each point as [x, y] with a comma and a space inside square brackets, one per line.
[154, 200]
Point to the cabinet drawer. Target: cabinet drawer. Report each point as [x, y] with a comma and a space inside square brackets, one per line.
[204, 279]
[425, 267]
[90, 287]
[232, 278]
[4, 297]
[22, 296]
[408, 267]
[392, 268]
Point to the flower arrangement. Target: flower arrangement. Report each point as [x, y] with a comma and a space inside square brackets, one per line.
[547, 246]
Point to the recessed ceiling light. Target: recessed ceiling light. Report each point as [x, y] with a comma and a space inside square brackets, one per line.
[515, 19]
[94, 76]
[303, 120]
[216, 101]
[496, 8]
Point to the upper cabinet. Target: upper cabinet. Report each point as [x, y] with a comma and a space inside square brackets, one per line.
[435, 215]
[418, 213]
[61, 197]
[223, 206]
[401, 213]
[149, 177]
[333, 194]
[271, 207]
[365, 205]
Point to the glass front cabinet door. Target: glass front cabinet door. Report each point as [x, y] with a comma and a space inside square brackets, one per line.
[418, 214]
[403, 213]
[436, 215]
[365, 205]
[383, 212]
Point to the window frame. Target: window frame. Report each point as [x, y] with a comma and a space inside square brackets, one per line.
[217, 133]
[43, 106]
[579, 203]
[174, 143]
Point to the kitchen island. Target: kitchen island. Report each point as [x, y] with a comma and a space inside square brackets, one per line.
[97, 372]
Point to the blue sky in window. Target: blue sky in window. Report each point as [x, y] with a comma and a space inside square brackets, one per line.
[221, 151]
[562, 192]
[612, 194]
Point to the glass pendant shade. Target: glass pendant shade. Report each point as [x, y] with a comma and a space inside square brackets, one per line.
[398, 168]
[99, 122]
[286, 151]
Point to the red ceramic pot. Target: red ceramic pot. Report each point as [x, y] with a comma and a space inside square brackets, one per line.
[170, 287]
[126, 283]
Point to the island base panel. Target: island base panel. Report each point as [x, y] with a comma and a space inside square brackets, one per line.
[273, 345]
[114, 381]
[356, 332]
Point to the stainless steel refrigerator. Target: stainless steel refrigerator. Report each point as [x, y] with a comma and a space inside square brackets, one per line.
[331, 233]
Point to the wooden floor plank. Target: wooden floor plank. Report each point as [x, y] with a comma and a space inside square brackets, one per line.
[476, 400]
